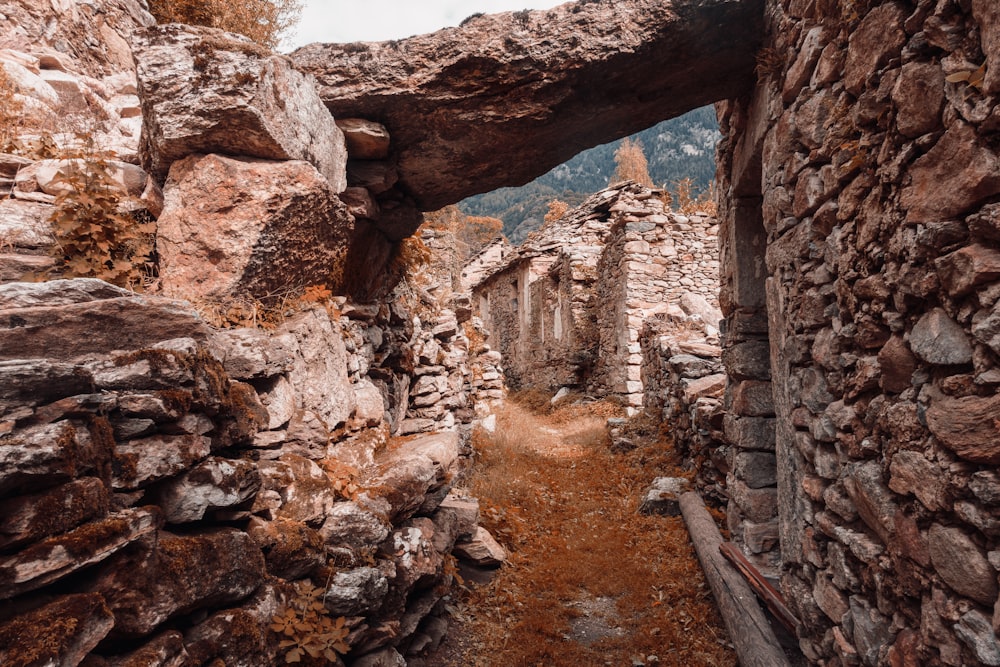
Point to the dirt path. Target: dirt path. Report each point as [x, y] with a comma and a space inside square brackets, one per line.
[590, 581]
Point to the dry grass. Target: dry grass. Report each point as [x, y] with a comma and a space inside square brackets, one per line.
[590, 581]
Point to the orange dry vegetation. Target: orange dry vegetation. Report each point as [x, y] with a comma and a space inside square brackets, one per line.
[590, 581]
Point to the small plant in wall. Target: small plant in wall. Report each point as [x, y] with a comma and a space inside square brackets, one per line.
[306, 629]
[96, 235]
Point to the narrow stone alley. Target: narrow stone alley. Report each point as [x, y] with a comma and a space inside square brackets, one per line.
[589, 580]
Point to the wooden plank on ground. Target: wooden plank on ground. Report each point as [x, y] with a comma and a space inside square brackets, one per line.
[748, 627]
[761, 586]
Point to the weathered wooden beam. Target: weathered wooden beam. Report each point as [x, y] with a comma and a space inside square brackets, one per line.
[761, 586]
[748, 627]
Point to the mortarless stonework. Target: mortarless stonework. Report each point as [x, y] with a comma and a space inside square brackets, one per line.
[567, 307]
[860, 200]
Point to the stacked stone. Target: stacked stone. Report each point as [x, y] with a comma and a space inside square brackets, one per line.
[441, 375]
[683, 382]
[163, 459]
[537, 303]
[652, 259]
[487, 388]
[875, 129]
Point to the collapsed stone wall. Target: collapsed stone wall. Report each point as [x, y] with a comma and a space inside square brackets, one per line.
[654, 261]
[202, 473]
[859, 188]
[683, 383]
[170, 491]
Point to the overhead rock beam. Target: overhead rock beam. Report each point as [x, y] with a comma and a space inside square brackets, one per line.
[504, 98]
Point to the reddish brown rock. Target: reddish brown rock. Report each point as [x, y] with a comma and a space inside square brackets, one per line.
[897, 364]
[877, 38]
[68, 331]
[56, 557]
[146, 586]
[968, 426]
[962, 564]
[24, 519]
[140, 462]
[214, 484]
[291, 548]
[456, 101]
[235, 227]
[165, 650]
[366, 140]
[62, 632]
[294, 488]
[919, 96]
[965, 269]
[951, 178]
[987, 14]
[206, 91]
[482, 549]
[37, 457]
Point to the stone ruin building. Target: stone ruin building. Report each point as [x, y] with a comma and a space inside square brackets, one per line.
[859, 259]
[567, 306]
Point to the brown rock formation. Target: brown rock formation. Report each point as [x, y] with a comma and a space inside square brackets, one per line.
[503, 98]
[207, 91]
[237, 226]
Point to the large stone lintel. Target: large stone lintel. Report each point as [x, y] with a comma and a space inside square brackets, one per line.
[506, 97]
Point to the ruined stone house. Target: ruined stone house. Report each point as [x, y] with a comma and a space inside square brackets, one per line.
[567, 306]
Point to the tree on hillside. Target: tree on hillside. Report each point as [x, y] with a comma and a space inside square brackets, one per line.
[557, 209]
[263, 21]
[630, 164]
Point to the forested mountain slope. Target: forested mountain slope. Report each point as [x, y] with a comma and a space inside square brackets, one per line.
[683, 147]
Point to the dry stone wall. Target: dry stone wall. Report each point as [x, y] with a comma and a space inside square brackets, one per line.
[567, 307]
[166, 485]
[654, 262]
[860, 187]
[170, 491]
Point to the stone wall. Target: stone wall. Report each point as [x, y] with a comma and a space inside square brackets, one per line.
[655, 261]
[169, 489]
[566, 308]
[683, 384]
[861, 253]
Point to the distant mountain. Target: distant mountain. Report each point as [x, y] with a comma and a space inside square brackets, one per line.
[677, 148]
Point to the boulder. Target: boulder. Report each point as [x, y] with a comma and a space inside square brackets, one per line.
[319, 371]
[356, 592]
[967, 426]
[939, 340]
[140, 462]
[663, 496]
[366, 140]
[962, 564]
[350, 526]
[298, 490]
[68, 327]
[24, 519]
[216, 483]
[207, 91]
[37, 457]
[146, 586]
[482, 550]
[459, 102]
[236, 227]
[291, 548]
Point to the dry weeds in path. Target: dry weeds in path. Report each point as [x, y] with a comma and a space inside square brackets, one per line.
[590, 581]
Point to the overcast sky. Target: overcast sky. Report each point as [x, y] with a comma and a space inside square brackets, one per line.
[377, 20]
